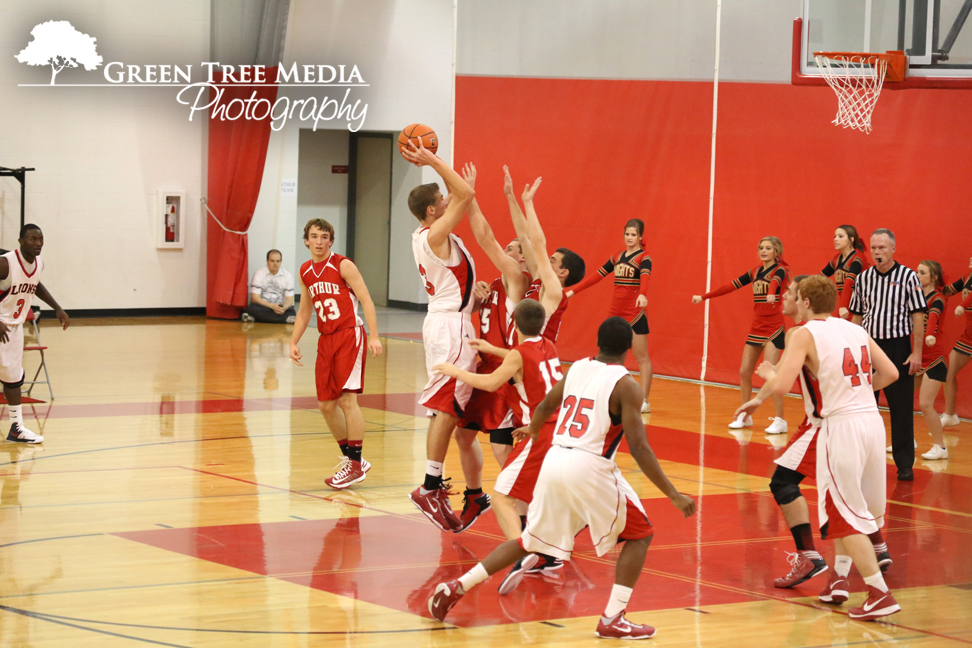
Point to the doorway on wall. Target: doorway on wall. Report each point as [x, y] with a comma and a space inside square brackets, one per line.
[370, 159]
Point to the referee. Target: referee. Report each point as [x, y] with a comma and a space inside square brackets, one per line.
[889, 304]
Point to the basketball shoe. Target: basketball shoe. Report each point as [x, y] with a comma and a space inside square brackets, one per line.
[949, 420]
[348, 472]
[741, 421]
[836, 590]
[446, 595]
[621, 628]
[883, 559]
[435, 505]
[646, 408]
[472, 508]
[778, 426]
[878, 604]
[20, 434]
[547, 564]
[517, 572]
[803, 570]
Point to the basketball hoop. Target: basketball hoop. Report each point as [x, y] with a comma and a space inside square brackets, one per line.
[857, 78]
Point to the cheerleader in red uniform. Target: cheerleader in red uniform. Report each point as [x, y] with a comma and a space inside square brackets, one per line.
[962, 351]
[844, 268]
[768, 330]
[928, 381]
[631, 270]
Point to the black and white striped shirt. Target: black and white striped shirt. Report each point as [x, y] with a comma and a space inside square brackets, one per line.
[887, 301]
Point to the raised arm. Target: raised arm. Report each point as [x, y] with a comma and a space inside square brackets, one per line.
[628, 392]
[553, 290]
[490, 382]
[519, 223]
[300, 322]
[351, 276]
[460, 192]
[516, 282]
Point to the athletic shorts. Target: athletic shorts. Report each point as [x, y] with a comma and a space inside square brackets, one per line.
[963, 345]
[487, 411]
[766, 330]
[800, 454]
[639, 325]
[851, 475]
[446, 338]
[578, 489]
[340, 363]
[12, 356]
[519, 475]
[935, 370]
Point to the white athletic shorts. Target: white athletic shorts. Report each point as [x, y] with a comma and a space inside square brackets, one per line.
[12, 355]
[576, 489]
[851, 474]
[446, 338]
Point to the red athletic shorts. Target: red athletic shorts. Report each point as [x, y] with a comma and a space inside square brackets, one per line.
[487, 411]
[340, 363]
[522, 468]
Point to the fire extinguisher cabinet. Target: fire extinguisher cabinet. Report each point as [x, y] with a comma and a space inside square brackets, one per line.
[171, 220]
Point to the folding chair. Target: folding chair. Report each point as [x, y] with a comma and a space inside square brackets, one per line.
[33, 318]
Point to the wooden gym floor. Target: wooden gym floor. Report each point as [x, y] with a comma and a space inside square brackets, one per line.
[179, 500]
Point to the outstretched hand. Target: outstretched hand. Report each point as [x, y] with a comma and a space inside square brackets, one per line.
[446, 369]
[469, 174]
[696, 299]
[530, 191]
[748, 408]
[507, 181]
[519, 434]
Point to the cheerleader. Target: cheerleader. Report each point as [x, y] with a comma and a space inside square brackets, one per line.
[844, 268]
[962, 351]
[769, 280]
[928, 381]
[631, 270]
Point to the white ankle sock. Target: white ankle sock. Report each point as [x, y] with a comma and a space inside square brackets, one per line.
[620, 595]
[473, 577]
[842, 565]
[877, 580]
[16, 416]
[433, 468]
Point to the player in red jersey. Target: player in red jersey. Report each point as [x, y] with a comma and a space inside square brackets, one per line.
[962, 351]
[331, 286]
[631, 270]
[567, 265]
[845, 266]
[933, 372]
[768, 329]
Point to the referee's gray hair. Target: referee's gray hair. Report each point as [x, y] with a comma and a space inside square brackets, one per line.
[884, 230]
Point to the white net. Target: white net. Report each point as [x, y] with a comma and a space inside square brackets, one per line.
[857, 80]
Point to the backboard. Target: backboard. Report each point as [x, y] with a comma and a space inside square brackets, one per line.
[936, 35]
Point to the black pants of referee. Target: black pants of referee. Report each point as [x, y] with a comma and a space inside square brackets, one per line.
[901, 402]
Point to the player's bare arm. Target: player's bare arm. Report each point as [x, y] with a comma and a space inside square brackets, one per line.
[300, 322]
[627, 398]
[44, 295]
[544, 411]
[553, 290]
[516, 282]
[461, 194]
[485, 347]
[351, 276]
[512, 367]
[882, 369]
[519, 223]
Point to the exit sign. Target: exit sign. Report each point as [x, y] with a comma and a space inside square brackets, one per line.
[339, 168]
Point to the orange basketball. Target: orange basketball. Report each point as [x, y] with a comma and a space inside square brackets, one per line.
[416, 132]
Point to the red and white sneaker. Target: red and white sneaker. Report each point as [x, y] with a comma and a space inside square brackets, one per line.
[878, 604]
[621, 628]
[446, 595]
[349, 472]
[836, 590]
[20, 434]
[472, 508]
[435, 504]
[803, 570]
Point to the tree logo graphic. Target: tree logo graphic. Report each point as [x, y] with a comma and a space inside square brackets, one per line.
[58, 44]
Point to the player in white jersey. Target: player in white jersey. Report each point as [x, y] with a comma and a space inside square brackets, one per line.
[851, 466]
[580, 485]
[20, 273]
[449, 277]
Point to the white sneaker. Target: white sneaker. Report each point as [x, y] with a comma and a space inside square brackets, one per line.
[936, 452]
[891, 448]
[291, 319]
[20, 434]
[646, 408]
[949, 420]
[778, 426]
[741, 421]
[246, 317]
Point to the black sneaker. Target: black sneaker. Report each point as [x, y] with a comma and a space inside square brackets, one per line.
[517, 572]
[472, 508]
[884, 560]
[546, 564]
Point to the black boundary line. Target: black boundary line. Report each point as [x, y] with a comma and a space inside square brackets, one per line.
[49, 619]
[63, 620]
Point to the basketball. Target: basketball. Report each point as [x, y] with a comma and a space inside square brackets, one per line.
[415, 133]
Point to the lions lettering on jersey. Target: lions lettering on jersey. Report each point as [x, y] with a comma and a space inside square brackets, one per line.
[17, 290]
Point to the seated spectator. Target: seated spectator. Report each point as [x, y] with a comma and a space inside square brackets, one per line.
[271, 293]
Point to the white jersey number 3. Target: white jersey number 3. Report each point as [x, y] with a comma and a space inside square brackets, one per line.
[333, 310]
